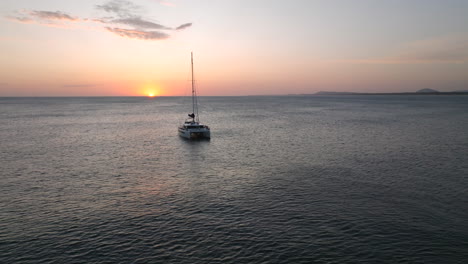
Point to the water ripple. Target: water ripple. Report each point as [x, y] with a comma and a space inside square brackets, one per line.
[284, 180]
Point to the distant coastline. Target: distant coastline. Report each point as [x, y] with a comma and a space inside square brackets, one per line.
[419, 92]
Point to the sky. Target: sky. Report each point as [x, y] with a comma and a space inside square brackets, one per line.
[241, 47]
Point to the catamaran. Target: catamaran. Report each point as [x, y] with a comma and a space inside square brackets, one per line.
[192, 128]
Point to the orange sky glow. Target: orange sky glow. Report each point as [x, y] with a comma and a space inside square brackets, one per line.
[142, 47]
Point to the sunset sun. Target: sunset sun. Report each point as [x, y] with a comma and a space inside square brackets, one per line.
[150, 89]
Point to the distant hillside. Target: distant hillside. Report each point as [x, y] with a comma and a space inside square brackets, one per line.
[333, 93]
[427, 90]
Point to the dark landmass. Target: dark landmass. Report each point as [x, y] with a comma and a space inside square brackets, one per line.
[334, 93]
[427, 90]
[420, 92]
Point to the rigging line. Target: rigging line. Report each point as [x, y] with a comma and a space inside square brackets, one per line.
[193, 85]
[187, 89]
[197, 99]
[194, 92]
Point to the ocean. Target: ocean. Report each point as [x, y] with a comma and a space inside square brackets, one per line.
[284, 179]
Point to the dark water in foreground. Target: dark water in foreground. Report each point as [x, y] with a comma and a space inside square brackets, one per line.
[373, 179]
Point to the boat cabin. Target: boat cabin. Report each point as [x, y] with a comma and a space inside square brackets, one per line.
[194, 125]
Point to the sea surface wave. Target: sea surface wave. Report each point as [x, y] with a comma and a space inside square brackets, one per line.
[284, 179]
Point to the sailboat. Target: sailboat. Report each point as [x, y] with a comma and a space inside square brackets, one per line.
[192, 128]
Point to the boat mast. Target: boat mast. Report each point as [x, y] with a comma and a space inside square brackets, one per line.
[194, 96]
[193, 88]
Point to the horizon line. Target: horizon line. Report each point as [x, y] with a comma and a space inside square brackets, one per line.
[325, 93]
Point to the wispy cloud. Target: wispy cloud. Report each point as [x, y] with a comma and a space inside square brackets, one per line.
[78, 85]
[451, 49]
[122, 8]
[103, 20]
[124, 19]
[50, 15]
[184, 26]
[20, 19]
[45, 18]
[139, 34]
[125, 13]
[446, 49]
[138, 22]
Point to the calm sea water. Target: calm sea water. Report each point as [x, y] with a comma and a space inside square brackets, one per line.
[368, 179]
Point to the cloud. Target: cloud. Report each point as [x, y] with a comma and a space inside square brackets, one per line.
[125, 13]
[184, 26]
[450, 49]
[138, 34]
[78, 85]
[122, 8]
[103, 20]
[446, 49]
[139, 23]
[20, 19]
[123, 19]
[50, 15]
[45, 18]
